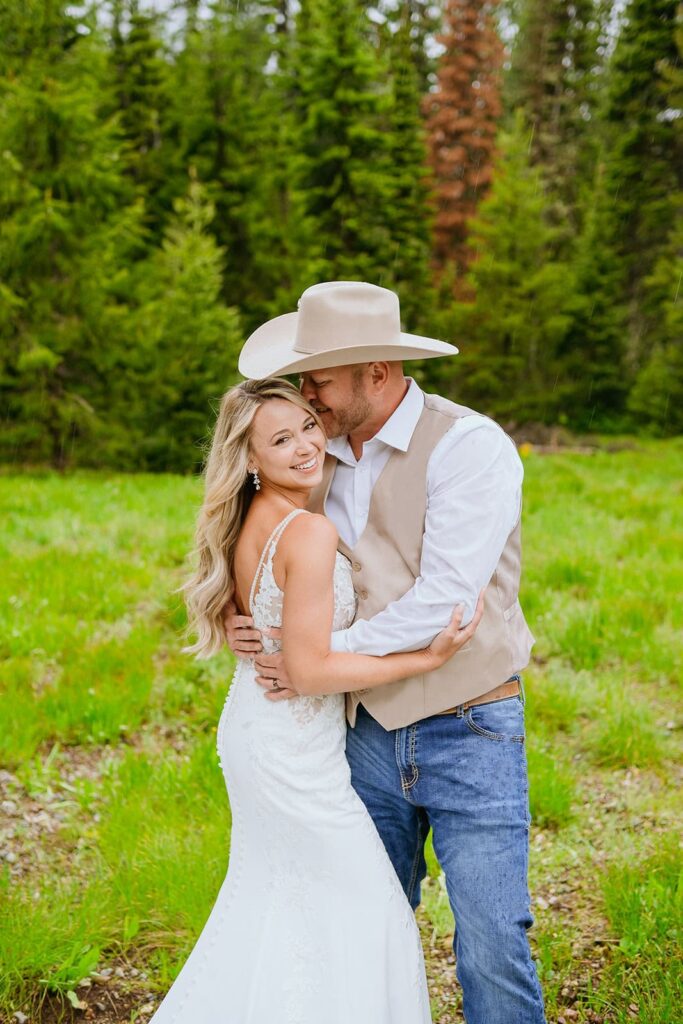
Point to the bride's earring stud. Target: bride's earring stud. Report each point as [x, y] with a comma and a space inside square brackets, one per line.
[257, 482]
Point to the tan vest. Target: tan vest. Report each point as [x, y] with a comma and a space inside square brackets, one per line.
[386, 563]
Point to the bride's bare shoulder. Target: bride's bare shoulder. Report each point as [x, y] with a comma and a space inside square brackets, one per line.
[315, 532]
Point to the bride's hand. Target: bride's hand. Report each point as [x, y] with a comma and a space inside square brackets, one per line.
[451, 639]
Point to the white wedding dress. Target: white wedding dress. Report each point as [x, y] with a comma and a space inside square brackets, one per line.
[311, 925]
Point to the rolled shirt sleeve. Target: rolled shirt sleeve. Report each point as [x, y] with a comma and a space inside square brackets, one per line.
[474, 488]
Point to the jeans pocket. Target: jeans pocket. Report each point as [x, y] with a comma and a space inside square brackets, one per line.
[502, 720]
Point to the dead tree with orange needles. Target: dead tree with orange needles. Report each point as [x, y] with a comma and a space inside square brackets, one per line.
[462, 116]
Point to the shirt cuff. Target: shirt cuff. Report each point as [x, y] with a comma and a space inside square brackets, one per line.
[338, 642]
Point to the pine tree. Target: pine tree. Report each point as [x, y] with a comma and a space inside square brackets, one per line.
[409, 215]
[656, 401]
[421, 19]
[230, 133]
[186, 118]
[512, 334]
[69, 226]
[644, 160]
[462, 117]
[184, 344]
[191, 9]
[344, 179]
[595, 382]
[555, 79]
[140, 73]
[283, 244]
[299, 72]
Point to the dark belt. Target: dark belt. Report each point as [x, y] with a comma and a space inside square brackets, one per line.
[511, 688]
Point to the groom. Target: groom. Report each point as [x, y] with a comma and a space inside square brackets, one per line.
[426, 498]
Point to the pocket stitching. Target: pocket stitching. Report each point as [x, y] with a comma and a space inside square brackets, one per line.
[498, 737]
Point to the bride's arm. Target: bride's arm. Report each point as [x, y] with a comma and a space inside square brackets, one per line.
[308, 551]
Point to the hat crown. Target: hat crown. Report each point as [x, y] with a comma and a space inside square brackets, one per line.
[338, 323]
[346, 314]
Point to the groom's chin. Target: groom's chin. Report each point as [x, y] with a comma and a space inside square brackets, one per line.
[331, 427]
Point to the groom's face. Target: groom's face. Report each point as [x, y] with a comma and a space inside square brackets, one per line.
[339, 396]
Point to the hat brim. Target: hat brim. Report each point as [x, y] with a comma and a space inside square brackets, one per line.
[270, 351]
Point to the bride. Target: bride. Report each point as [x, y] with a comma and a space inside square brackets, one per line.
[311, 925]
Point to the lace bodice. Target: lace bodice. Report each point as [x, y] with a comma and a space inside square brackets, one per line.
[265, 602]
[265, 598]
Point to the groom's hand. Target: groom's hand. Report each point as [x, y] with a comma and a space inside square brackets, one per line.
[243, 640]
[272, 675]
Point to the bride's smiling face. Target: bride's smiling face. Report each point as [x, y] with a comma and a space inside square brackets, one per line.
[287, 446]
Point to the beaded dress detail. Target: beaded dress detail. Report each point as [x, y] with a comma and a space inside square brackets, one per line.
[311, 925]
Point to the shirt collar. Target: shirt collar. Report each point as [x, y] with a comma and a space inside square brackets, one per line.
[396, 432]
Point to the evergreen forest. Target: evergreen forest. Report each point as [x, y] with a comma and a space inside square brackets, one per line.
[174, 174]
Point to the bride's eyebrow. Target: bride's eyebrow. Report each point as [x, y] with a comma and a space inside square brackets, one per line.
[288, 430]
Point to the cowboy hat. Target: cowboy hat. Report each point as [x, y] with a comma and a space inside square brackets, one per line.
[337, 323]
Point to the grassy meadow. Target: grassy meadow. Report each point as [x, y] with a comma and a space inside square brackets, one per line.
[114, 834]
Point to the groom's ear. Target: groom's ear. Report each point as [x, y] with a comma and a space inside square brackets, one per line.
[379, 375]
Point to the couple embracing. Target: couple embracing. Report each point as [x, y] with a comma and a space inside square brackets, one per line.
[364, 538]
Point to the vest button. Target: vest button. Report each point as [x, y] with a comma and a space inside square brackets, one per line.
[356, 566]
[363, 594]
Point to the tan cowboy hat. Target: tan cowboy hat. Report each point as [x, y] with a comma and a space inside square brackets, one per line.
[338, 323]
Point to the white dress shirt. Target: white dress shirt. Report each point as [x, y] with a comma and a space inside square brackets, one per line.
[474, 487]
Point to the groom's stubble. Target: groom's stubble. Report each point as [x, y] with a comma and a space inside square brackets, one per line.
[351, 406]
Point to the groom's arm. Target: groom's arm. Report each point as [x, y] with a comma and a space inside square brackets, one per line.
[474, 485]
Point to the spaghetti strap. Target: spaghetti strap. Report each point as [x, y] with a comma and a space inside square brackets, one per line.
[268, 552]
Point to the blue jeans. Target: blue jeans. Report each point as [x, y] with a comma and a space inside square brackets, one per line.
[465, 775]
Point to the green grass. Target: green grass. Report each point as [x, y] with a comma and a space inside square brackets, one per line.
[644, 899]
[109, 731]
[644, 904]
[552, 786]
[626, 732]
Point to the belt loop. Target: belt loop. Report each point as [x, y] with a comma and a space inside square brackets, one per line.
[460, 711]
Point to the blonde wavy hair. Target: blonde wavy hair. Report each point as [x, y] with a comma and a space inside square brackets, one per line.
[228, 492]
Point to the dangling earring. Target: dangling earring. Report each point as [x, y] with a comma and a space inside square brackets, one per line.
[257, 482]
